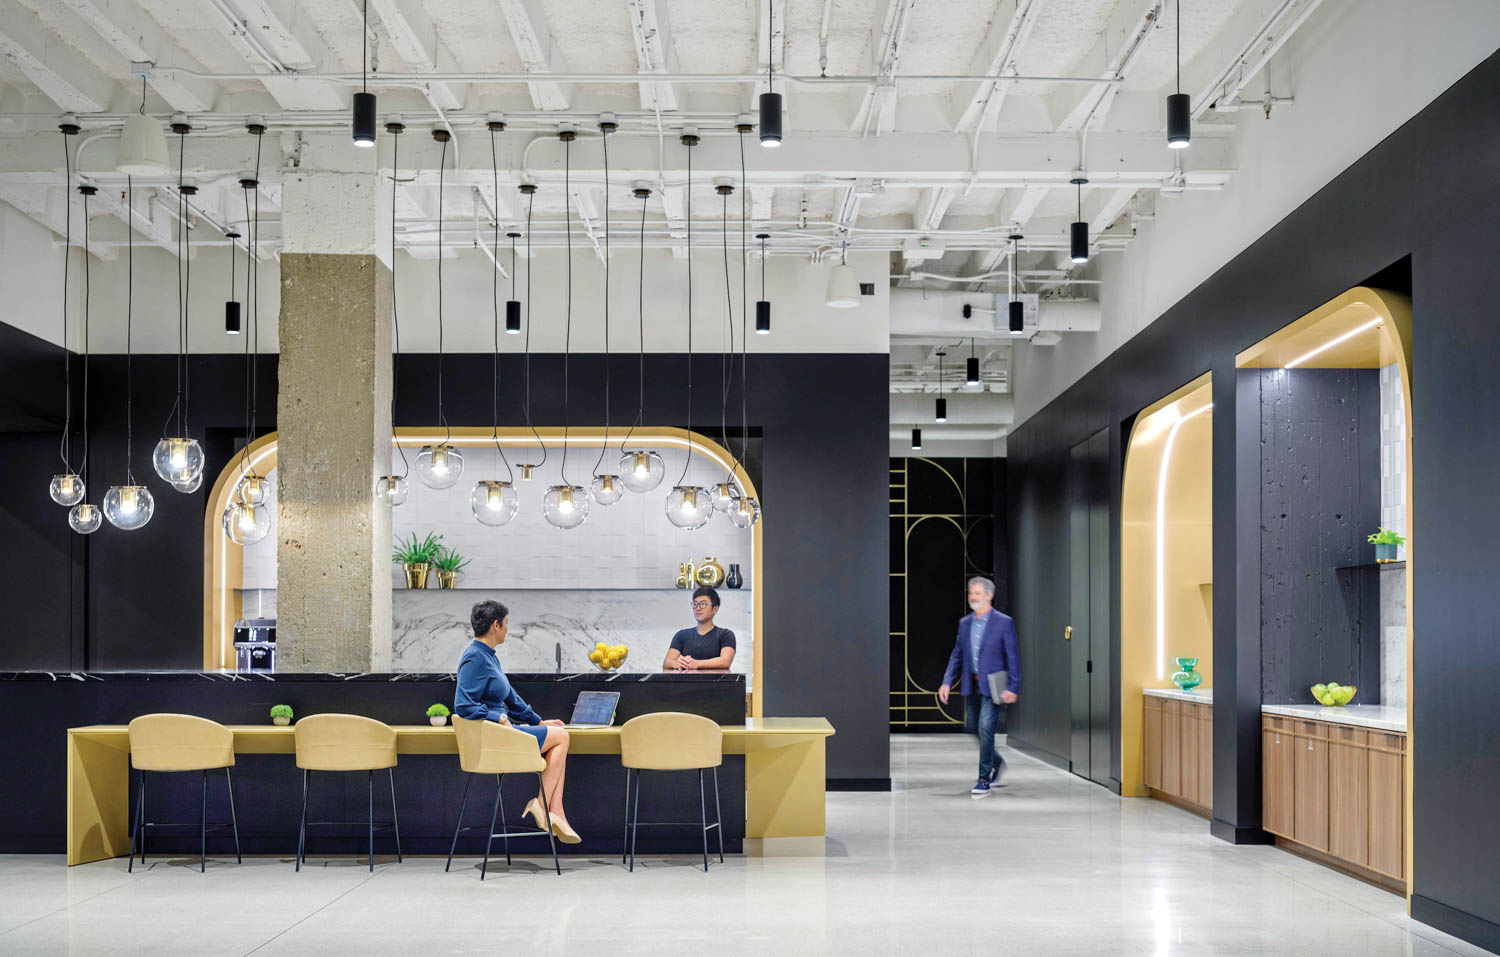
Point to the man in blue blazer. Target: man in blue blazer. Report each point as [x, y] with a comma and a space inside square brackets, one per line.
[986, 643]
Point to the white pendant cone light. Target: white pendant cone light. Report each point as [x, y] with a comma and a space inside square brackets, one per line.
[843, 287]
[143, 147]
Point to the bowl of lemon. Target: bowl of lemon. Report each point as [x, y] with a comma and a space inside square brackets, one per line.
[609, 657]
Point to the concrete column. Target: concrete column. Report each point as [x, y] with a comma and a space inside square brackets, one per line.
[333, 421]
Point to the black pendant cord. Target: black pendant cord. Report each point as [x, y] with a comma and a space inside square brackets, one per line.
[770, 57]
[364, 49]
[687, 458]
[526, 368]
[65, 446]
[254, 306]
[568, 310]
[744, 312]
[442, 417]
[1179, 46]
[174, 414]
[395, 318]
[187, 302]
[726, 367]
[129, 324]
[604, 445]
[495, 303]
[83, 472]
[249, 255]
[640, 406]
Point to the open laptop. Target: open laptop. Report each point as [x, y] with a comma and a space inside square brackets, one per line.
[594, 709]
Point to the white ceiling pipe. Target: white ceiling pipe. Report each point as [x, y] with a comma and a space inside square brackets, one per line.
[416, 80]
[964, 408]
[940, 313]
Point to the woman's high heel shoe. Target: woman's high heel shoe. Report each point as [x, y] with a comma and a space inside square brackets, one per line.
[534, 809]
[560, 828]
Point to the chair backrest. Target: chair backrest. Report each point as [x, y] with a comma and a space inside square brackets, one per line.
[488, 747]
[344, 742]
[671, 741]
[179, 742]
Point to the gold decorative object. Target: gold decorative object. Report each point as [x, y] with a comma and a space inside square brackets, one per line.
[689, 570]
[416, 574]
[710, 573]
[447, 579]
[682, 575]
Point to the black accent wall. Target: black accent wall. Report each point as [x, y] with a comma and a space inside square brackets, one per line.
[1428, 194]
[132, 601]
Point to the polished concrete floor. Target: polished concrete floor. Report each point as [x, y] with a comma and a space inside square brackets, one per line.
[1046, 865]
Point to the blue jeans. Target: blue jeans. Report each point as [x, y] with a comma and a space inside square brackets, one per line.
[982, 717]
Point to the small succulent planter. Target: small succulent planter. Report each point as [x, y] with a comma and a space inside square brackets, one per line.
[437, 715]
[281, 715]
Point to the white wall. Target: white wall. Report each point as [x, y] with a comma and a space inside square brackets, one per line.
[31, 263]
[1358, 69]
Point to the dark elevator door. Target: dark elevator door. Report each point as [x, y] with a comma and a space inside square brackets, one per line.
[1088, 534]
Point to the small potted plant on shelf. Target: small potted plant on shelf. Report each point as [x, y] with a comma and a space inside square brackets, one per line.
[448, 564]
[416, 555]
[1386, 542]
[437, 715]
[281, 715]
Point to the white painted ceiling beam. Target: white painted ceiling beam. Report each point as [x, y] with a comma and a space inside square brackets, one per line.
[586, 203]
[762, 201]
[1114, 205]
[1119, 46]
[877, 109]
[539, 52]
[64, 75]
[275, 37]
[674, 207]
[654, 52]
[1241, 49]
[148, 216]
[996, 57]
[932, 207]
[137, 37]
[416, 42]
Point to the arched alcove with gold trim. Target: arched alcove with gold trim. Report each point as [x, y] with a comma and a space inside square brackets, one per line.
[222, 559]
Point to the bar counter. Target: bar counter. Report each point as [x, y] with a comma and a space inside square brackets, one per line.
[73, 738]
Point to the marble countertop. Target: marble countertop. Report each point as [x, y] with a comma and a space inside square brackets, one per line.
[579, 676]
[1378, 716]
[1200, 695]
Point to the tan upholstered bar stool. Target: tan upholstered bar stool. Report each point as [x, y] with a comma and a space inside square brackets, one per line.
[487, 747]
[181, 742]
[670, 741]
[346, 742]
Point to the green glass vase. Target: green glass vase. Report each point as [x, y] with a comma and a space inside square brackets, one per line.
[1187, 679]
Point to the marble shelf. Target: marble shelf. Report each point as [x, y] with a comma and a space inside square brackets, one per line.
[1199, 695]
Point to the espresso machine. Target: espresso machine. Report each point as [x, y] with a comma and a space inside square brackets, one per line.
[255, 645]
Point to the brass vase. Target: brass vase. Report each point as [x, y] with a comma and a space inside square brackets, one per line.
[710, 573]
[682, 575]
[447, 579]
[416, 574]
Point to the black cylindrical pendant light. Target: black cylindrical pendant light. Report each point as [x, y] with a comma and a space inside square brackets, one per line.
[942, 410]
[1017, 310]
[513, 305]
[1179, 104]
[1017, 318]
[770, 102]
[971, 366]
[1079, 232]
[364, 100]
[916, 439]
[763, 305]
[231, 308]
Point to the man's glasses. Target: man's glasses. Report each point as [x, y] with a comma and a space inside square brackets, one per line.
[697, 605]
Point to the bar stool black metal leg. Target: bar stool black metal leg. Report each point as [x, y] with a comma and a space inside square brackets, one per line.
[135, 830]
[547, 819]
[718, 815]
[203, 826]
[395, 822]
[504, 828]
[468, 779]
[234, 822]
[635, 819]
[625, 838]
[489, 837]
[703, 818]
[145, 825]
[302, 827]
[372, 821]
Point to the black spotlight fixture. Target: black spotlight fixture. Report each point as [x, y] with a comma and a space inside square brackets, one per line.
[770, 102]
[762, 305]
[971, 366]
[231, 307]
[942, 401]
[1017, 310]
[364, 100]
[1079, 233]
[916, 439]
[513, 305]
[1179, 104]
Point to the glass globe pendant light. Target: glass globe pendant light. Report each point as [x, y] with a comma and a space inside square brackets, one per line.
[441, 465]
[391, 489]
[689, 506]
[725, 494]
[606, 487]
[129, 506]
[745, 510]
[246, 523]
[188, 486]
[178, 458]
[85, 518]
[67, 489]
[247, 518]
[254, 489]
[528, 468]
[641, 470]
[566, 505]
[494, 503]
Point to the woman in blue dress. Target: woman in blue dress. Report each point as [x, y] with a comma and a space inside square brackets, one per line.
[485, 694]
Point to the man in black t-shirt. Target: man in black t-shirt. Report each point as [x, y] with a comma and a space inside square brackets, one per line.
[706, 647]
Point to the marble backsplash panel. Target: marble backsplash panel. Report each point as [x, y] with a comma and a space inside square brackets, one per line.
[431, 627]
[1393, 636]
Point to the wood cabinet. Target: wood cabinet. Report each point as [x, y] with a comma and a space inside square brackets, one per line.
[1337, 789]
[1177, 750]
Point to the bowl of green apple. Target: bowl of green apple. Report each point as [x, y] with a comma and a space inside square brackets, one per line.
[1333, 694]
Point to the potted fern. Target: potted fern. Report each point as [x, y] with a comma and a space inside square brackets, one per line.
[1386, 542]
[415, 556]
[437, 715]
[281, 715]
[448, 564]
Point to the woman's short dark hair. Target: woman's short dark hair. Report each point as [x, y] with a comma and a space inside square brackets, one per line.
[705, 592]
[485, 614]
